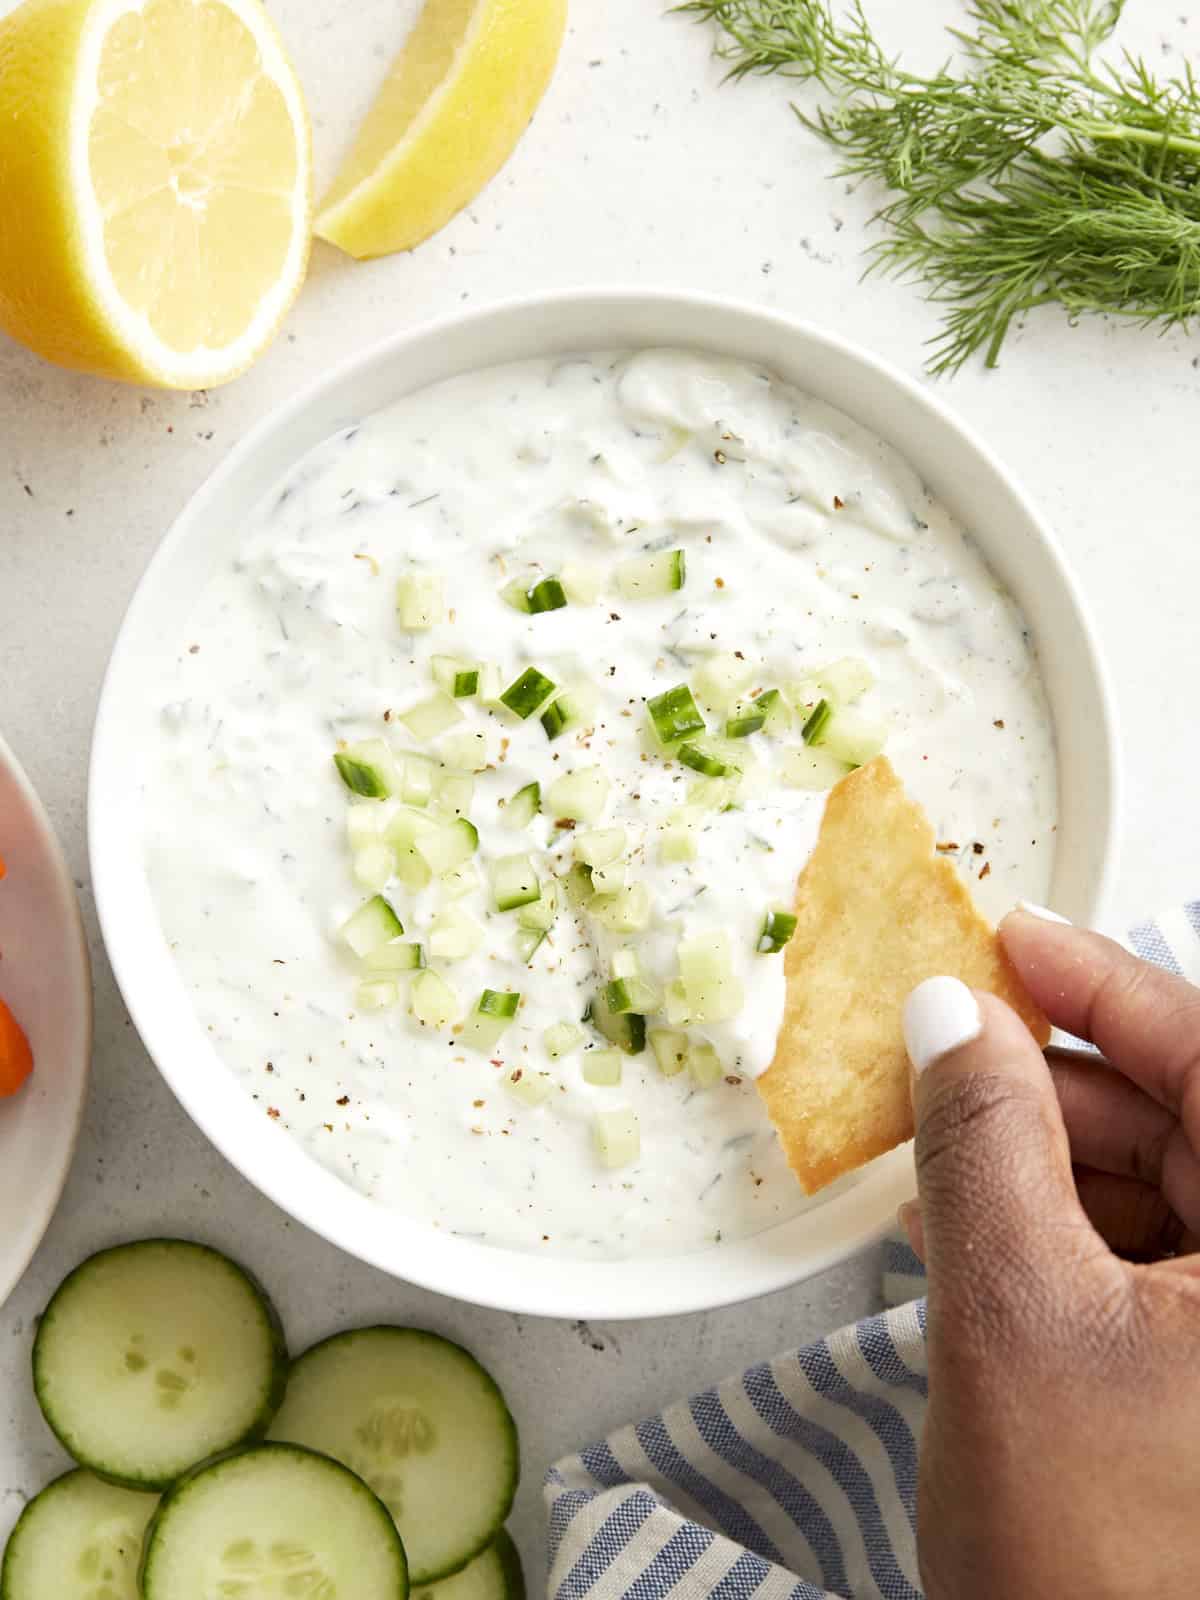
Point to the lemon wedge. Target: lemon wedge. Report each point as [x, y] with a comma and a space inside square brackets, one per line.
[155, 186]
[448, 117]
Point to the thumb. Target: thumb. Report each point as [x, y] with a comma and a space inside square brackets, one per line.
[999, 1211]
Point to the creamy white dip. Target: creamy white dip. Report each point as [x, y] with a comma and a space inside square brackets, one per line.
[806, 540]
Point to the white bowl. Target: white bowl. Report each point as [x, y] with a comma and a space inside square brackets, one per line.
[45, 978]
[958, 469]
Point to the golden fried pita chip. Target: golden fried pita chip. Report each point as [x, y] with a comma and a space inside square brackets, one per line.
[877, 912]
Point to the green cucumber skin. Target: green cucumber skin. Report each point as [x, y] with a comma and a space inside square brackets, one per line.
[8, 1556]
[510, 1562]
[279, 1351]
[171, 1499]
[509, 1424]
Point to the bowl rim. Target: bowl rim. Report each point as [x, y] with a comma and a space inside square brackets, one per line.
[276, 1163]
[71, 1081]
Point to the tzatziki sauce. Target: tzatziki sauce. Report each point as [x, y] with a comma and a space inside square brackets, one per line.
[801, 541]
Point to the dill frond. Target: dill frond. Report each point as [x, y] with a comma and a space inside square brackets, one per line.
[1023, 173]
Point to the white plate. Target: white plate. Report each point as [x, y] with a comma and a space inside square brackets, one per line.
[46, 979]
[960, 472]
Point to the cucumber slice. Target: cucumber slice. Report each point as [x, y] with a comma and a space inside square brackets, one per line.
[368, 769]
[514, 883]
[526, 693]
[495, 1575]
[373, 925]
[153, 1356]
[80, 1539]
[426, 1427]
[675, 714]
[275, 1520]
[523, 807]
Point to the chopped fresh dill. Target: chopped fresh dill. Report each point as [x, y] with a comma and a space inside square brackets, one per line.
[1025, 172]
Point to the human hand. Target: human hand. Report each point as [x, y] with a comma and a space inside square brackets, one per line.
[1058, 1206]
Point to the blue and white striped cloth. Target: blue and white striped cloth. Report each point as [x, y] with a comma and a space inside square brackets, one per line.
[795, 1480]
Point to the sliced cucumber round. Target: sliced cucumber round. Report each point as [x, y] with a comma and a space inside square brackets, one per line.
[495, 1575]
[153, 1356]
[422, 1422]
[80, 1539]
[272, 1520]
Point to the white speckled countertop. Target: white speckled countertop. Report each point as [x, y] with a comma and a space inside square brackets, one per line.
[637, 169]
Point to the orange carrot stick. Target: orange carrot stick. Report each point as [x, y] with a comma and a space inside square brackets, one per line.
[16, 1058]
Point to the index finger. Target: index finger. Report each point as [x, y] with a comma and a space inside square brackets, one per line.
[1145, 1020]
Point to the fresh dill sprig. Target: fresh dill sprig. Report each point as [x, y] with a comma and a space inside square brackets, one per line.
[1023, 173]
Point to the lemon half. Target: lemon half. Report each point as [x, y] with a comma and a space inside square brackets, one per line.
[155, 185]
[456, 101]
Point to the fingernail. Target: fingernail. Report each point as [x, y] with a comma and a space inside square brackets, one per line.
[906, 1213]
[1043, 912]
[939, 1015]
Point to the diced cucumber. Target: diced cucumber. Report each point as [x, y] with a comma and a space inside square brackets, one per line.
[494, 1011]
[453, 792]
[627, 911]
[816, 722]
[776, 712]
[745, 721]
[454, 676]
[527, 942]
[625, 963]
[651, 576]
[538, 915]
[373, 924]
[608, 880]
[376, 994]
[721, 678]
[575, 707]
[364, 824]
[462, 881]
[678, 841]
[543, 594]
[704, 1064]
[79, 1539]
[715, 794]
[853, 737]
[674, 714]
[420, 602]
[495, 1575]
[528, 692]
[153, 1356]
[561, 1038]
[275, 1520]
[368, 769]
[602, 1068]
[373, 865]
[523, 807]
[447, 845]
[453, 936]
[676, 1005]
[417, 783]
[579, 886]
[426, 1427]
[432, 716]
[530, 1088]
[625, 1029]
[618, 1137]
[845, 680]
[394, 957]
[704, 761]
[467, 751]
[778, 927]
[596, 847]
[514, 882]
[582, 583]
[432, 1000]
[580, 795]
[714, 991]
[670, 1050]
[631, 994]
[811, 768]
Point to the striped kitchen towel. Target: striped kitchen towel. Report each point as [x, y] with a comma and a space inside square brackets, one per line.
[795, 1480]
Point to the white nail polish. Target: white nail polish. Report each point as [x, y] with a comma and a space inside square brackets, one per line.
[939, 1016]
[1043, 912]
